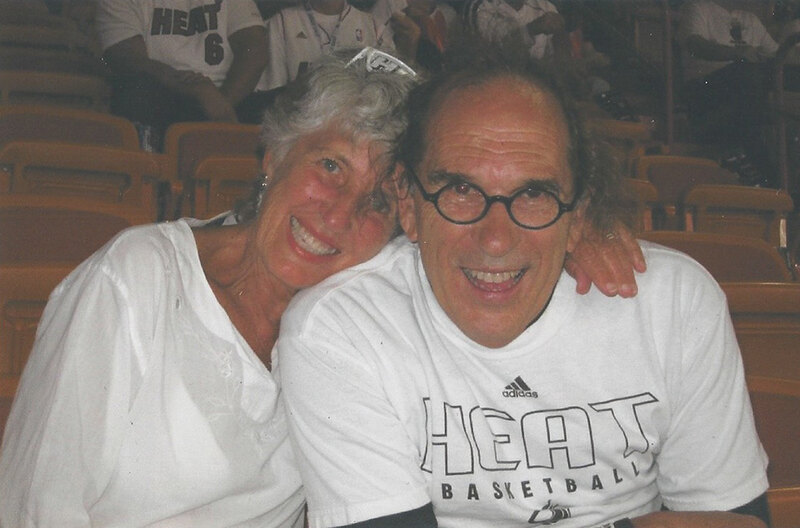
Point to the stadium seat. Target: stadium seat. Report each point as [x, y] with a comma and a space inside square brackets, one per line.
[187, 144]
[108, 174]
[220, 181]
[729, 258]
[739, 210]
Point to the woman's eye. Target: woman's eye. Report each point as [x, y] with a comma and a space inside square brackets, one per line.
[330, 165]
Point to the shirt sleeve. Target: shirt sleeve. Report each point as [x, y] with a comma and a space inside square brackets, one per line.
[762, 39]
[693, 22]
[712, 458]
[242, 14]
[355, 456]
[118, 20]
[277, 70]
[70, 412]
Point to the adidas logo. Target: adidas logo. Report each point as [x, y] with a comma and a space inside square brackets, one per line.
[519, 389]
[301, 35]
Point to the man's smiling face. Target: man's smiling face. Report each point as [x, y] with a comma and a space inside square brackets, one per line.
[493, 277]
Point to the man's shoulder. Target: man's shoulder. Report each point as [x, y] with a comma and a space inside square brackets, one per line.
[670, 270]
[374, 283]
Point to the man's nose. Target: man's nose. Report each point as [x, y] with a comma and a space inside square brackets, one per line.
[497, 233]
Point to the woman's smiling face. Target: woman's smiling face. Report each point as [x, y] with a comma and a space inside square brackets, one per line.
[327, 207]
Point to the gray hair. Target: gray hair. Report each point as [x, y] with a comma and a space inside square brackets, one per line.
[472, 62]
[370, 105]
[366, 104]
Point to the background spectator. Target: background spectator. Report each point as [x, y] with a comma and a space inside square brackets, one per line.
[196, 60]
[420, 29]
[726, 80]
[299, 35]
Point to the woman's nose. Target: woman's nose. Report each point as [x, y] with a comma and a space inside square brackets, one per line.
[340, 211]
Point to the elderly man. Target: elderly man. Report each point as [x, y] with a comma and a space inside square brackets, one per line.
[457, 379]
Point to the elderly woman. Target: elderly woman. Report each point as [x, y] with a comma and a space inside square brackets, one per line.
[148, 398]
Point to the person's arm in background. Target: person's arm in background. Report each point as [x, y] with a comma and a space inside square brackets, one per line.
[552, 24]
[249, 60]
[129, 57]
[705, 49]
[547, 24]
[406, 36]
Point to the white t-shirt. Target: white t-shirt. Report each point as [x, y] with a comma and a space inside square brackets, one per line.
[496, 19]
[298, 36]
[188, 35]
[142, 404]
[712, 22]
[603, 408]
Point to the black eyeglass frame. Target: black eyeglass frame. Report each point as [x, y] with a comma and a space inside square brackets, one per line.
[489, 200]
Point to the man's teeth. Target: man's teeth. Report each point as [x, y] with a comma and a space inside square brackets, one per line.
[493, 278]
[308, 242]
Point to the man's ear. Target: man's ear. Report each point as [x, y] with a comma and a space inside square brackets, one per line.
[406, 207]
[577, 227]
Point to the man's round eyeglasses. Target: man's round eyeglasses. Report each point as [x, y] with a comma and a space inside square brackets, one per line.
[465, 203]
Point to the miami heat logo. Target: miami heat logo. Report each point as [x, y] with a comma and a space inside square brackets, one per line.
[550, 514]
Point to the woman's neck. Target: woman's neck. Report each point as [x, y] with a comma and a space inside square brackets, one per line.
[250, 294]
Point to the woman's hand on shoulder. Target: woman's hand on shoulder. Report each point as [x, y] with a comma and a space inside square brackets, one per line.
[607, 260]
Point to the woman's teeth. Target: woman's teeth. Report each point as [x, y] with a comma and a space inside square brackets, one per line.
[308, 242]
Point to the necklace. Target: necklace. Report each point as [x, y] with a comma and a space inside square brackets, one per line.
[315, 25]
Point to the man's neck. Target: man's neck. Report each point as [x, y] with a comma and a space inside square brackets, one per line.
[327, 7]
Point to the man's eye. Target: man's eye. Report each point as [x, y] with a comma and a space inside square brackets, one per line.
[462, 188]
[533, 193]
[330, 165]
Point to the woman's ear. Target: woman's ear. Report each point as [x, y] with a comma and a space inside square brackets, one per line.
[406, 208]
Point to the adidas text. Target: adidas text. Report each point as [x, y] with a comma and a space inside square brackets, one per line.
[517, 393]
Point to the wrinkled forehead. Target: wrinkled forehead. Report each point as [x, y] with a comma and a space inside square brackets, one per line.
[507, 96]
[504, 116]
